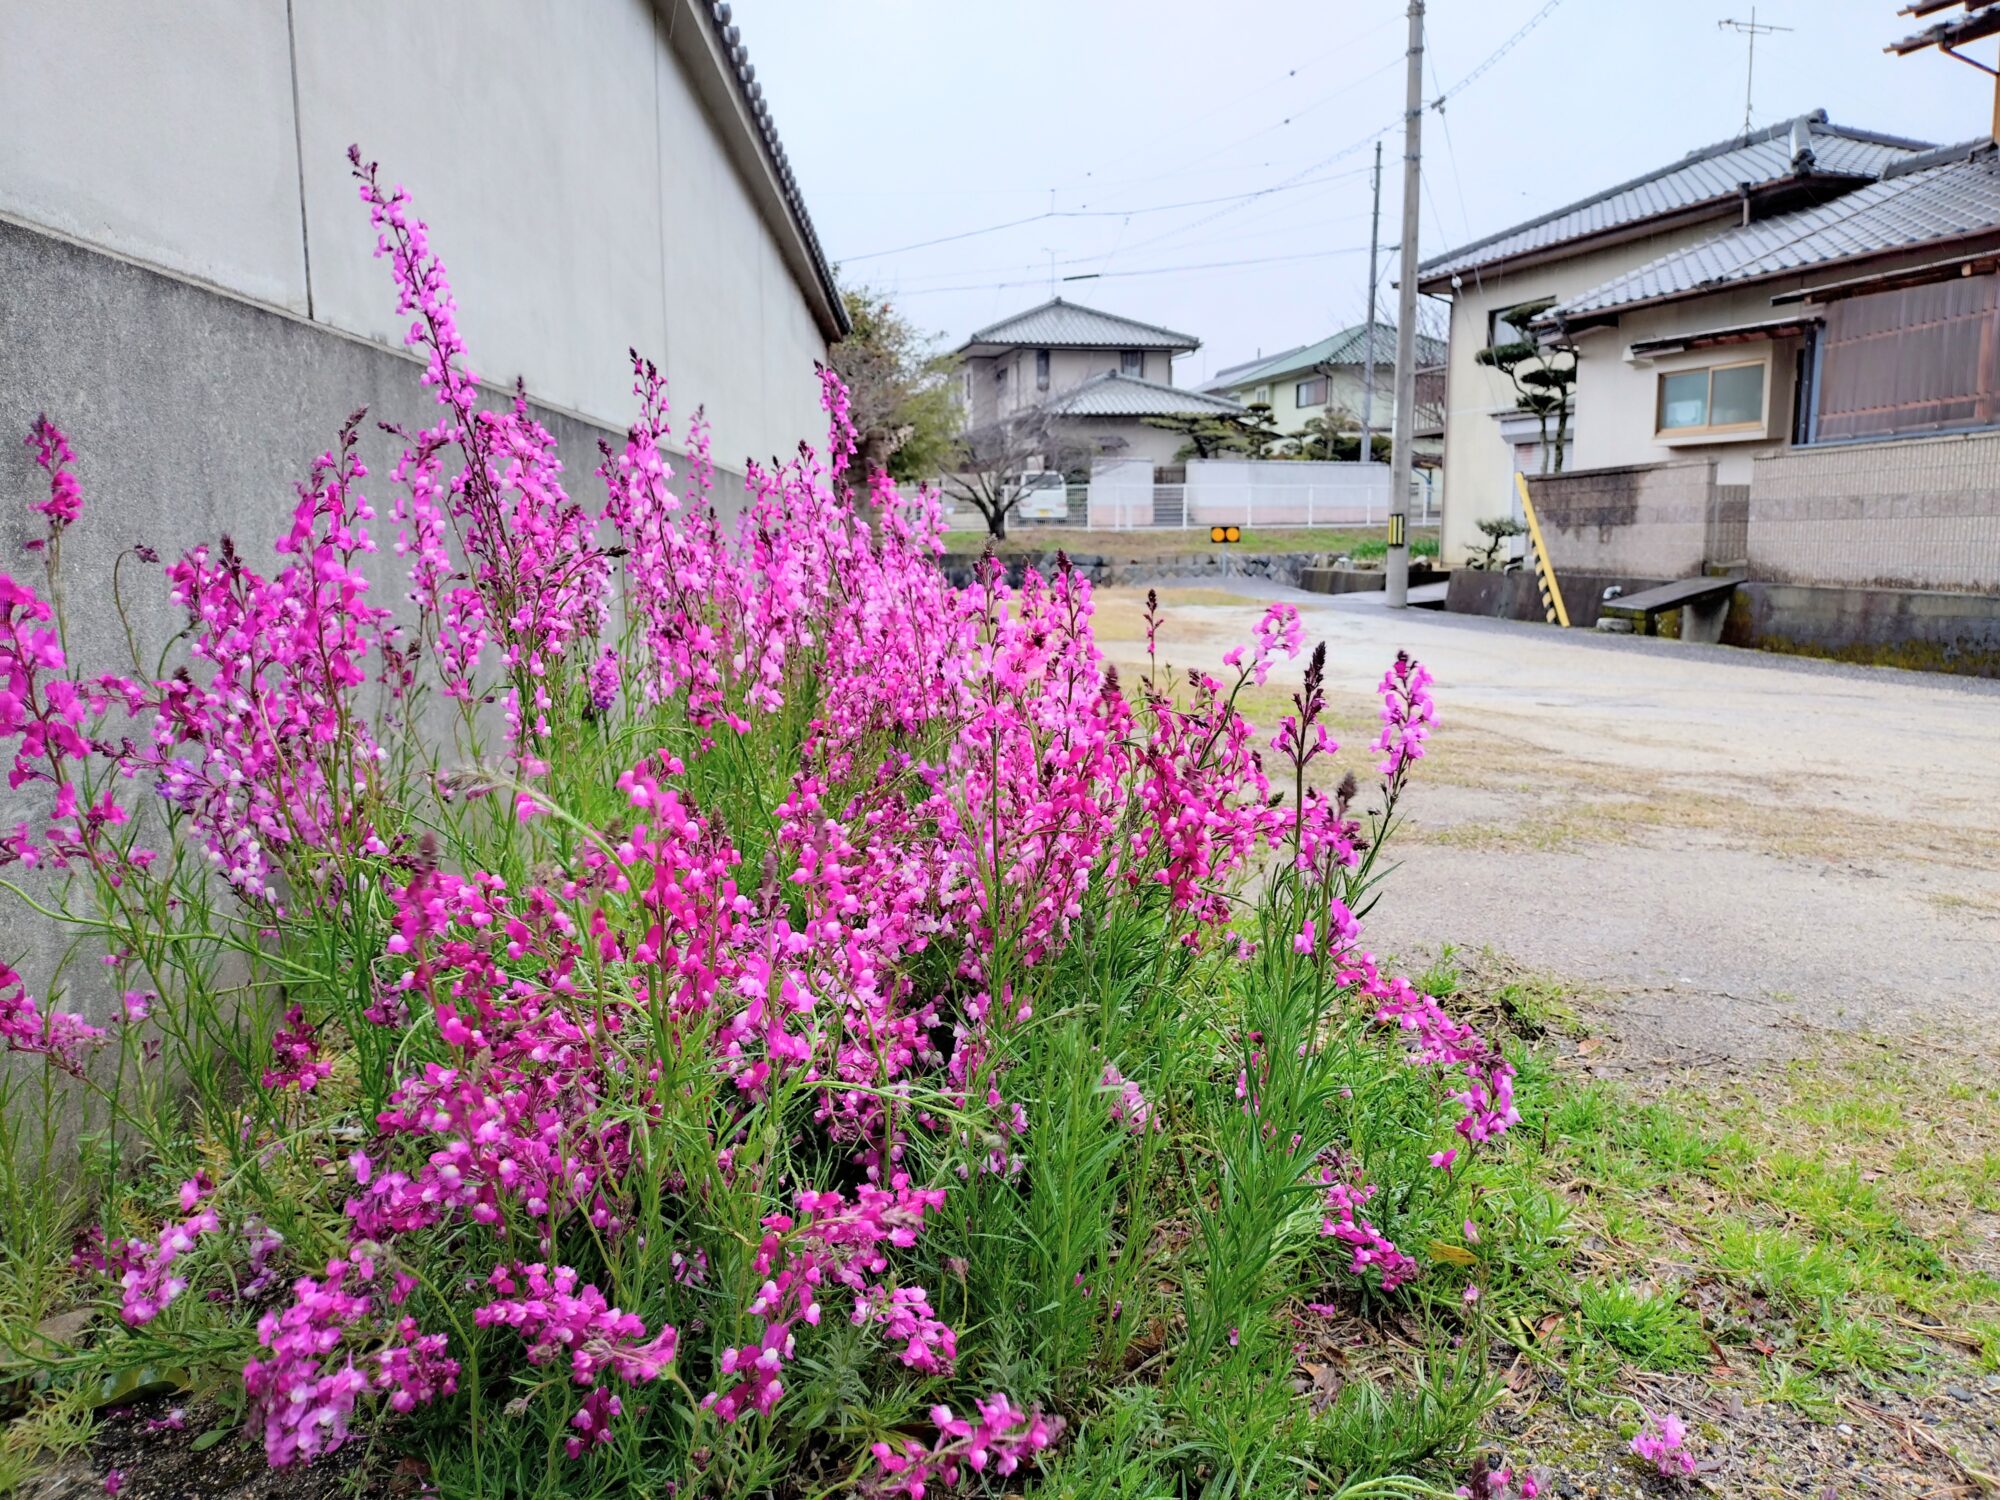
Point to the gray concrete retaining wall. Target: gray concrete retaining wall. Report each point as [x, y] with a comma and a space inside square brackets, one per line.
[193, 414]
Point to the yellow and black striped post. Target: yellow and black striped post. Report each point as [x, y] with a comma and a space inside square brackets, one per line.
[1545, 573]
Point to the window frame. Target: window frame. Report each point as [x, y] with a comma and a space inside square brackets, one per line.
[1495, 318]
[1041, 369]
[1263, 396]
[1132, 362]
[1709, 429]
[1302, 402]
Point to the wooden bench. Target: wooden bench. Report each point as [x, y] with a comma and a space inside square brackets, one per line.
[1704, 603]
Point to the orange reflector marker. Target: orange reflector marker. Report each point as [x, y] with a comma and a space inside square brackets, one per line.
[1215, 534]
[1235, 534]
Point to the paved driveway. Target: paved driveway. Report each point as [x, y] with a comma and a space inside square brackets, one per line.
[1731, 849]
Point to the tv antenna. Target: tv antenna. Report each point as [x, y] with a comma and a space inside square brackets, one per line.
[1752, 28]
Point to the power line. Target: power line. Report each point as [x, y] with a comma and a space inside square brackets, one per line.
[913, 281]
[1232, 202]
[1207, 265]
[1513, 41]
[1499, 52]
[1094, 213]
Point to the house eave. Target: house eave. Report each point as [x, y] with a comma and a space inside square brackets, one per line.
[1988, 237]
[695, 29]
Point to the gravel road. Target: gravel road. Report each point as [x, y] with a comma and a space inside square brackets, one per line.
[1731, 851]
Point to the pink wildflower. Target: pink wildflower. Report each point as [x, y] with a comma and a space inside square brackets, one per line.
[1662, 1441]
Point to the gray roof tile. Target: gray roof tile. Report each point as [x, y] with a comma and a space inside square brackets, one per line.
[1057, 324]
[1114, 395]
[1957, 196]
[1714, 172]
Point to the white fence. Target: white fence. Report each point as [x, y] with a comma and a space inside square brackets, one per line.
[1121, 494]
[1246, 492]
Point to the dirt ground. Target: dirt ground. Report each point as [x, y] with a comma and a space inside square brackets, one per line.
[1735, 851]
[1143, 544]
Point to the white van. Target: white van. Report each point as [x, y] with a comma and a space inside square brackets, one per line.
[1044, 497]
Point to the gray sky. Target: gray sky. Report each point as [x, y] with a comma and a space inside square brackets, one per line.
[909, 120]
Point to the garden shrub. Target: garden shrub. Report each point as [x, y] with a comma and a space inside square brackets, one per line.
[710, 1007]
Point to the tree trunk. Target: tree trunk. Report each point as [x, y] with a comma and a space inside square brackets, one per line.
[996, 523]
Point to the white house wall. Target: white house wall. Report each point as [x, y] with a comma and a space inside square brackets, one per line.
[577, 190]
[1477, 460]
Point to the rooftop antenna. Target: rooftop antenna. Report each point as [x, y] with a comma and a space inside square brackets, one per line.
[1981, 19]
[1753, 29]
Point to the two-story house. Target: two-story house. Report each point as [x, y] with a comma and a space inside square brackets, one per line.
[1328, 379]
[1102, 373]
[1566, 253]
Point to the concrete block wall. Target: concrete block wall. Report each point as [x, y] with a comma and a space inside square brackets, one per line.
[1646, 520]
[1919, 514]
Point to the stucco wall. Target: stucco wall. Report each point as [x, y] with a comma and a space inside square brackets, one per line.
[193, 416]
[1921, 514]
[1648, 521]
[1478, 461]
[1130, 438]
[1618, 395]
[577, 188]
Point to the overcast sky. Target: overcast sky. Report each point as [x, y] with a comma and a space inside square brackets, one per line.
[911, 120]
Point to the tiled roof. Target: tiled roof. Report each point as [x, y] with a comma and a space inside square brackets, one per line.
[1713, 173]
[1114, 395]
[729, 38]
[1057, 324]
[1945, 195]
[1229, 374]
[1348, 347]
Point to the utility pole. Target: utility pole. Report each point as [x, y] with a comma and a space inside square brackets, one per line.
[1368, 370]
[1397, 564]
[1753, 30]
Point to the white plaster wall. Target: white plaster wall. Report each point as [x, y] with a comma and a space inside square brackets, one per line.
[740, 338]
[1622, 394]
[576, 188]
[1477, 460]
[161, 132]
[1130, 438]
[526, 136]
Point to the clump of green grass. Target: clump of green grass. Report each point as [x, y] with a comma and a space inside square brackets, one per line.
[1648, 1326]
[1814, 1223]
